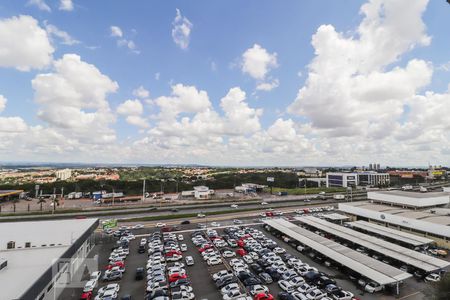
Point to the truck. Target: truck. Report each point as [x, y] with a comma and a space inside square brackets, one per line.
[339, 197]
[407, 187]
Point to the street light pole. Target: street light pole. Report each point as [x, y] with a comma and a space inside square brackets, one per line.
[143, 191]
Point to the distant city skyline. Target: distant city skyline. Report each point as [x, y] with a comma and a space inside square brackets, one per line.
[225, 83]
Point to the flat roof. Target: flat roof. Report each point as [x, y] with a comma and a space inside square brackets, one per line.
[26, 265]
[336, 217]
[409, 199]
[394, 234]
[423, 215]
[416, 195]
[405, 255]
[367, 266]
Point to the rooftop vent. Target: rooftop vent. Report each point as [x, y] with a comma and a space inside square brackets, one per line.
[11, 245]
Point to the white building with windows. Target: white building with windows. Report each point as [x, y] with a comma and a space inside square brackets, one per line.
[63, 174]
[40, 258]
[340, 179]
[199, 192]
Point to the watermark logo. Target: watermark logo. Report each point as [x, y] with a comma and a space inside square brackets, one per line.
[73, 272]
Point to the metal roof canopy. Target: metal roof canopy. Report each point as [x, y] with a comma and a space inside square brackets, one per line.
[336, 217]
[405, 255]
[371, 268]
[395, 234]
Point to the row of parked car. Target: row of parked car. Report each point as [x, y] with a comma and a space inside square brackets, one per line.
[166, 273]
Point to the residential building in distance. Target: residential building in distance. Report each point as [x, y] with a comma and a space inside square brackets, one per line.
[63, 174]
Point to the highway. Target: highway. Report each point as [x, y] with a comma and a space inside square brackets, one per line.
[185, 209]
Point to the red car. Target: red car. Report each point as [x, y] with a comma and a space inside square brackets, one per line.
[263, 296]
[269, 214]
[241, 252]
[119, 264]
[86, 296]
[206, 247]
[240, 243]
[176, 276]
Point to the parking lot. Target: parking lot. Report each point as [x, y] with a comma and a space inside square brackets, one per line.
[200, 274]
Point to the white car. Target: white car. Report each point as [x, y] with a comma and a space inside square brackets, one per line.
[115, 287]
[236, 221]
[215, 224]
[189, 260]
[90, 286]
[248, 259]
[159, 225]
[174, 257]
[433, 277]
[258, 289]
[228, 253]
[233, 295]
[279, 250]
[110, 294]
[221, 274]
[180, 237]
[315, 294]
[183, 247]
[305, 288]
[229, 287]
[286, 286]
[138, 226]
[264, 203]
[214, 261]
[373, 287]
[95, 275]
[234, 206]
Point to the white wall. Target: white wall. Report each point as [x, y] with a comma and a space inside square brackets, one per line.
[424, 226]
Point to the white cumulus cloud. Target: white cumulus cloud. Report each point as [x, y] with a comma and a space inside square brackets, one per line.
[24, 45]
[63, 36]
[66, 5]
[40, 4]
[257, 62]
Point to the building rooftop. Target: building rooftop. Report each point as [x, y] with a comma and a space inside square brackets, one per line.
[26, 265]
[416, 195]
[409, 199]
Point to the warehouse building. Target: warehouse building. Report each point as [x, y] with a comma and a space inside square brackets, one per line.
[370, 178]
[431, 223]
[409, 199]
[40, 258]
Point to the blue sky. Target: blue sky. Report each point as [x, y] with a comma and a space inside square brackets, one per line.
[221, 32]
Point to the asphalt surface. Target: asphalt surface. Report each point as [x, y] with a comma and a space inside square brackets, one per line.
[200, 274]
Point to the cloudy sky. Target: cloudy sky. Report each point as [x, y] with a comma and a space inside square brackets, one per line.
[225, 82]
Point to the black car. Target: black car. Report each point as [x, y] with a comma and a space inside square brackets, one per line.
[141, 249]
[286, 256]
[286, 296]
[332, 289]
[179, 282]
[185, 222]
[311, 276]
[126, 297]
[262, 262]
[174, 210]
[273, 273]
[256, 268]
[245, 275]
[140, 272]
[323, 281]
[251, 281]
[225, 281]
[157, 293]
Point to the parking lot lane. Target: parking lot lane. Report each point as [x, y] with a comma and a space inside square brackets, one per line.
[202, 283]
[128, 284]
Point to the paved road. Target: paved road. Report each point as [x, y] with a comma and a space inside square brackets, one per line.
[194, 208]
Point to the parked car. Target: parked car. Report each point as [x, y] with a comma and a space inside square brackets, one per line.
[433, 277]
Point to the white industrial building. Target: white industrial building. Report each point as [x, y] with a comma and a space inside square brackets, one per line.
[249, 188]
[342, 179]
[40, 258]
[433, 223]
[63, 174]
[199, 192]
[409, 199]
